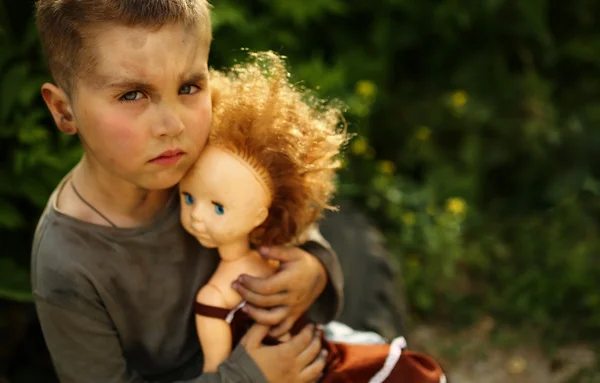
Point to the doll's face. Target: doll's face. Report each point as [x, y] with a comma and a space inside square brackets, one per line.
[222, 200]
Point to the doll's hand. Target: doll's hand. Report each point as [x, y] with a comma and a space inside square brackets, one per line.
[281, 299]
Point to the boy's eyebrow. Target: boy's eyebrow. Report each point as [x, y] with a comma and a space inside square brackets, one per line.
[127, 83]
[194, 77]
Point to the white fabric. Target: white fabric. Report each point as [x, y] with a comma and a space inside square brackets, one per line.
[390, 362]
[341, 333]
[229, 317]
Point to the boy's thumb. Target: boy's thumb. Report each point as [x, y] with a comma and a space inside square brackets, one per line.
[255, 336]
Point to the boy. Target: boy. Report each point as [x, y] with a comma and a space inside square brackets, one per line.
[114, 275]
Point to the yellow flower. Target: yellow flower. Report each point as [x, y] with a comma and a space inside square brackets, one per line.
[459, 98]
[409, 218]
[359, 146]
[387, 167]
[423, 133]
[413, 260]
[456, 206]
[366, 88]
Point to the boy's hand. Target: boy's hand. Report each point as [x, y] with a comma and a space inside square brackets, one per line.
[299, 360]
[281, 299]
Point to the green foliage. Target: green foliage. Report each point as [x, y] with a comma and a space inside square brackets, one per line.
[477, 128]
[32, 156]
[476, 125]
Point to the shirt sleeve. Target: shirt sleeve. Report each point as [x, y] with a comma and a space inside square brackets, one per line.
[85, 349]
[330, 303]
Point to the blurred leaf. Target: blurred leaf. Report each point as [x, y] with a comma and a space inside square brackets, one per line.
[35, 191]
[10, 85]
[227, 14]
[535, 13]
[14, 281]
[9, 216]
[308, 10]
[30, 132]
[30, 91]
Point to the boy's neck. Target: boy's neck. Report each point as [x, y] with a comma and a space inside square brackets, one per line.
[124, 204]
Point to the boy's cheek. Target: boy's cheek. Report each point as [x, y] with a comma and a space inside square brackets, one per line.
[119, 140]
[198, 122]
[123, 136]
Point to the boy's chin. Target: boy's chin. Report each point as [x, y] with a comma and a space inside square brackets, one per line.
[160, 184]
[162, 181]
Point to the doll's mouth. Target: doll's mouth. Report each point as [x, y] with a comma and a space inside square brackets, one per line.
[202, 237]
[205, 241]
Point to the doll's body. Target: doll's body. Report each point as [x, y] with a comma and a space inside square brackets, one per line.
[223, 200]
[219, 285]
[215, 335]
[264, 178]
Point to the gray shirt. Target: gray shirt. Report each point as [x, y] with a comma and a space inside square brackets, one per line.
[116, 305]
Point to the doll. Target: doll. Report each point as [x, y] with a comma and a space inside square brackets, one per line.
[265, 176]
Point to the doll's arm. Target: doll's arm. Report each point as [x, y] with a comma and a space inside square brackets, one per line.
[214, 333]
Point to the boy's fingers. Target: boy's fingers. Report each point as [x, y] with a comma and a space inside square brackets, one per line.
[275, 284]
[254, 336]
[308, 355]
[313, 371]
[269, 317]
[282, 328]
[278, 253]
[301, 341]
[260, 300]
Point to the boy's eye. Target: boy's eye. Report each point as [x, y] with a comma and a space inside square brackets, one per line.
[188, 89]
[189, 200]
[219, 209]
[131, 96]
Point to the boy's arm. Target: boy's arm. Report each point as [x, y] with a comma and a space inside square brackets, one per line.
[329, 304]
[87, 350]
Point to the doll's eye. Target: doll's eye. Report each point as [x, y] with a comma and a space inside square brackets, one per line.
[189, 200]
[219, 209]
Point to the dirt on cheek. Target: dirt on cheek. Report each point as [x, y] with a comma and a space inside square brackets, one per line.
[125, 139]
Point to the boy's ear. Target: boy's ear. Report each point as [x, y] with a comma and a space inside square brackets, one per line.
[60, 107]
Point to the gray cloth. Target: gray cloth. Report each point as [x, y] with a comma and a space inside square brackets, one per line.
[116, 305]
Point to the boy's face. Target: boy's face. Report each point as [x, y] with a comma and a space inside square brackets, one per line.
[144, 113]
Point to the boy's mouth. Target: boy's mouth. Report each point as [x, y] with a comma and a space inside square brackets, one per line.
[168, 157]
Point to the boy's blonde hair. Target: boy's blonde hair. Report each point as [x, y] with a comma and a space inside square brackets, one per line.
[66, 26]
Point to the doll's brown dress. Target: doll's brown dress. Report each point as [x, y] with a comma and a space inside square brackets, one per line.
[356, 363]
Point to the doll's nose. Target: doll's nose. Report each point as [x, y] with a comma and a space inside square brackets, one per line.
[197, 221]
[196, 214]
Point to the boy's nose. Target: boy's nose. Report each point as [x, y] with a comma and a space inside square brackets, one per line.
[169, 125]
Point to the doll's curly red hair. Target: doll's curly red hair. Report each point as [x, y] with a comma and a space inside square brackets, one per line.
[289, 136]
